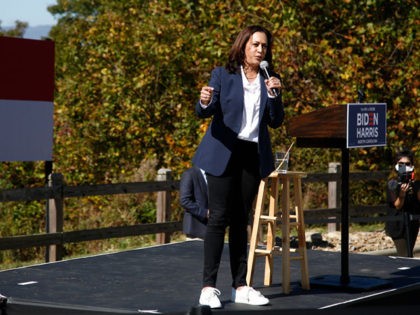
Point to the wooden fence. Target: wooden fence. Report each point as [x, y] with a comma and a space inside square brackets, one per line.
[56, 191]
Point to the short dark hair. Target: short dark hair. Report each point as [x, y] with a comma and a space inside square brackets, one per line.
[404, 153]
[237, 51]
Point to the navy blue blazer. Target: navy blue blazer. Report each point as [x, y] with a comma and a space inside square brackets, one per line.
[194, 200]
[226, 107]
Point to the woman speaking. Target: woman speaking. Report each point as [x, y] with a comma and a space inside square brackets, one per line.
[236, 154]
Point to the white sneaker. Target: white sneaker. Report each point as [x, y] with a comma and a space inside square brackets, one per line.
[3, 300]
[248, 295]
[209, 297]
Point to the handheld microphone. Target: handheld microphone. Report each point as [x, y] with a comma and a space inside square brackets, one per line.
[263, 67]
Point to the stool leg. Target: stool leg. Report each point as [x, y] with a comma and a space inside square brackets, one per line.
[271, 232]
[301, 233]
[255, 231]
[285, 209]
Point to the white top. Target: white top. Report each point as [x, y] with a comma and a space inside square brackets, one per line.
[251, 113]
[204, 175]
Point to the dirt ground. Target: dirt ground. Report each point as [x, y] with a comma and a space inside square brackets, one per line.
[358, 241]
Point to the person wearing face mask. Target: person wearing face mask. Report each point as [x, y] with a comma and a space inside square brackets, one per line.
[236, 154]
[403, 196]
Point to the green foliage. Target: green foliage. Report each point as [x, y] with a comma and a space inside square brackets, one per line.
[17, 31]
[127, 93]
[128, 74]
[331, 49]
[23, 218]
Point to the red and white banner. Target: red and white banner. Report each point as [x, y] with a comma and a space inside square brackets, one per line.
[26, 99]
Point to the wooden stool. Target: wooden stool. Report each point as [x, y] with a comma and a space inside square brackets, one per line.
[270, 219]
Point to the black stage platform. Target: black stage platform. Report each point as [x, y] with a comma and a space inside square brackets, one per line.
[167, 279]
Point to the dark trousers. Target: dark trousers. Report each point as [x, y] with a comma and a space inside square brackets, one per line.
[230, 200]
[401, 244]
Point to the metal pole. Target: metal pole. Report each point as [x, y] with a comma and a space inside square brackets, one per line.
[345, 279]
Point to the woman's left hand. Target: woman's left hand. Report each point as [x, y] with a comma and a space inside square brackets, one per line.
[272, 83]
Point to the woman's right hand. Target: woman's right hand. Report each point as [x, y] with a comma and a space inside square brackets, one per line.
[206, 95]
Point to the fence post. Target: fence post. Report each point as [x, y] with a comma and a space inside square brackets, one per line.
[55, 209]
[333, 194]
[163, 205]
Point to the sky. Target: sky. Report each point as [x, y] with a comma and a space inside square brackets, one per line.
[34, 12]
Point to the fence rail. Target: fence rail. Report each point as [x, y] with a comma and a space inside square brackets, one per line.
[61, 238]
[43, 193]
[56, 192]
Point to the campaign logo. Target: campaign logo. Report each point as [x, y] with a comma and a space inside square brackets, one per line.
[366, 125]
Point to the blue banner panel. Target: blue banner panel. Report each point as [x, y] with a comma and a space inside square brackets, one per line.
[26, 130]
[366, 125]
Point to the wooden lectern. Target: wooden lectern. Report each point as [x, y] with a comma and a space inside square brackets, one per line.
[323, 128]
[327, 128]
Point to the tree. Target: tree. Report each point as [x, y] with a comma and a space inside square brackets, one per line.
[338, 47]
[17, 31]
[128, 74]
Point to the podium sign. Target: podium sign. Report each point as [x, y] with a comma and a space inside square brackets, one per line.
[344, 127]
[366, 125]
